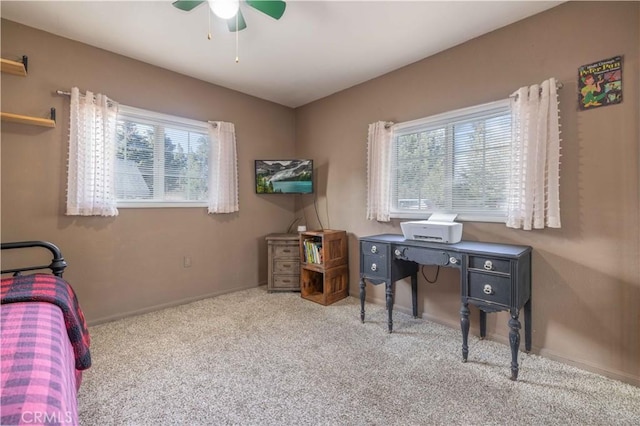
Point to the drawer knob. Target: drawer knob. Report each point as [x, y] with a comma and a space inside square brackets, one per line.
[453, 260]
[374, 249]
[374, 267]
[488, 265]
[487, 289]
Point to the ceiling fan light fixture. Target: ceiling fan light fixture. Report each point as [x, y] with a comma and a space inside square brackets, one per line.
[224, 9]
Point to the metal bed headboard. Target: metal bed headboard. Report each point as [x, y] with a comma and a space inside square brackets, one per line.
[57, 264]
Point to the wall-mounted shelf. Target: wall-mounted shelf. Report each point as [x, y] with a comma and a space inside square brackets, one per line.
[20, 68]
[15, 67]
[25, 119]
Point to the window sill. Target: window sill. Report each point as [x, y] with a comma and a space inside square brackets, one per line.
[460, 218]
[159, 204]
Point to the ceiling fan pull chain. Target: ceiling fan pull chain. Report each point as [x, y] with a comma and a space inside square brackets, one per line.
[209, 16]
[237, 54]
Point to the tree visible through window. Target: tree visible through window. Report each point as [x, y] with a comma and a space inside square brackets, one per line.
[160, 161]
[456, 162]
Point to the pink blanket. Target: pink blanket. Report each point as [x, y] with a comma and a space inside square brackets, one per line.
[52, 289]
[45, 345]
[39, 378]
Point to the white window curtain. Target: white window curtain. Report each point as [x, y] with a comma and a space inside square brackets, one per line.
[534, 196]
[223, 168]
[379, 171]
[91, 168]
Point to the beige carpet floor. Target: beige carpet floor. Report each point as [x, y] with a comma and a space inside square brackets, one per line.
[254, 358]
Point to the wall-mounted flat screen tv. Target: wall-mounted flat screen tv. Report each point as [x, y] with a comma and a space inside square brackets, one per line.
[284, 176]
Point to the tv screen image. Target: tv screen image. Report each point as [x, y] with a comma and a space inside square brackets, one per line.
[284, 176]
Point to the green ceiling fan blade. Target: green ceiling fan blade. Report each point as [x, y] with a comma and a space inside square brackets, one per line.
[273, 8]
[187, 5]
[231, 23]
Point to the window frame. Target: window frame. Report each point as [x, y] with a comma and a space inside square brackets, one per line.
[443, 119]
[153, 118]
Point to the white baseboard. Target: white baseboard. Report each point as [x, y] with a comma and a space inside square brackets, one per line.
[166, 305]
[549, 354]
[588, 366]
[383, 302]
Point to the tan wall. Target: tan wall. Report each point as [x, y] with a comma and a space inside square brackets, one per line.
[134, 262]
[586, 278]
[586, 275]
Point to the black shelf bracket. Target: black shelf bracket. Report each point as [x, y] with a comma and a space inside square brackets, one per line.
[25, 62]
[53, 114]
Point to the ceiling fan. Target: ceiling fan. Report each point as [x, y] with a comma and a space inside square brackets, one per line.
[228, 9]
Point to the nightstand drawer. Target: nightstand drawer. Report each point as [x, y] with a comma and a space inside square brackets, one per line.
[282, 282]
[286, 251]
[489, 264]
[490, 288]
[286, 267]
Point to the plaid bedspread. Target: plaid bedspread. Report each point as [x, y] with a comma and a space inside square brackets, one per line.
[52, 289]
[39, 381]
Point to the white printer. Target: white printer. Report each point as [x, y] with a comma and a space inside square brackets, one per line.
[439, 228]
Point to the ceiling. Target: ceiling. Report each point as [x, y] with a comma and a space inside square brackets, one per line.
[317, 48]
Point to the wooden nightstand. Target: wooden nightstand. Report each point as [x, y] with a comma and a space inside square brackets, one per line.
[284, 262]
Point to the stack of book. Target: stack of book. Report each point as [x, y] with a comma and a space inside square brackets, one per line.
[313, 251]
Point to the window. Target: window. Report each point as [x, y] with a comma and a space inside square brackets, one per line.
[161, 160]
[455, 162]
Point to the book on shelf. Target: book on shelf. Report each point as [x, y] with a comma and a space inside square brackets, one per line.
[312, 251]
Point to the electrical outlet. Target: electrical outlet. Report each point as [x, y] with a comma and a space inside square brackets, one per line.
[186, 262]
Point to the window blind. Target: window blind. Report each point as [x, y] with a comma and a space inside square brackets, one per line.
[455, 162]
[160, 158]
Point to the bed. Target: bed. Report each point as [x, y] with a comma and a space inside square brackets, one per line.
[45, 342]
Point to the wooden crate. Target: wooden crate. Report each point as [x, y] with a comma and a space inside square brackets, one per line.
[325, 287]
[324, 272]
[333, 248]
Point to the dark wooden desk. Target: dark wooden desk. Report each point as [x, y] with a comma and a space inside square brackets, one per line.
[493, 277]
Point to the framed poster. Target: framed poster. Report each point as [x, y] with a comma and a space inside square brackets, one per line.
[600, 83]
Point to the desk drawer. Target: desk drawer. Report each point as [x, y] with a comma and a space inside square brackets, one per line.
[490, 288]
[376, 249]
[489, 264]
[374, 266]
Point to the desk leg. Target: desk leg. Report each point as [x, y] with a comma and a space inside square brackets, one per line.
[483, 324]
[527, 326]
[514, 340]
[389, 291]
[414, 294]
[464, 325]
[363, 295]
